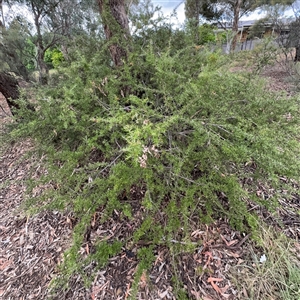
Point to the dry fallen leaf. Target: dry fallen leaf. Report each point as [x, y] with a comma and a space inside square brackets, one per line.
[212, 279]
[196, 294]
[224, 289]
[164, 294]
[4, 263]
[215, 287]
[228, 244]
[127, 294]
[143, 280]
[235, 255]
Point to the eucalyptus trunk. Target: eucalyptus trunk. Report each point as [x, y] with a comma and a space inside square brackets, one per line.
[42, 67]
[116, 28]
[235, 25]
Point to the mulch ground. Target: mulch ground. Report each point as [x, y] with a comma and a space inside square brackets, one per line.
[31, 248]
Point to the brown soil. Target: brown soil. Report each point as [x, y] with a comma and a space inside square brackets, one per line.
[31, 248]
[278, 78]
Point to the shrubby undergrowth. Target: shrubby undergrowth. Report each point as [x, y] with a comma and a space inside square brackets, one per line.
[179, 126]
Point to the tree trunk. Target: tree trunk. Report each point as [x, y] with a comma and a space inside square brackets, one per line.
[115, 23]
[42, 67]
[9, 87]
[192, 13]
[2, 21]
[64, 50]
[40, 49]
[235, 25]
[297, 55]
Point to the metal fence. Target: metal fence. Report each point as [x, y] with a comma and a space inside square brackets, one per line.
[242, 46]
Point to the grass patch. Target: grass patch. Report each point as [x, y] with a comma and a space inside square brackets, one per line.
[272, 270]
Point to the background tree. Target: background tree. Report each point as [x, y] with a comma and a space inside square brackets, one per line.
[226, 12]
[221, 11]
[75, 19]
[16, 48]
[42, 10]
[48, 26]
[287, 29]
[15, 55]
[295, 38]
[192, 12]
[52, 21]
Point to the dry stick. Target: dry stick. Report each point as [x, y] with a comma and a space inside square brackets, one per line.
[239, 244]
[243, 240]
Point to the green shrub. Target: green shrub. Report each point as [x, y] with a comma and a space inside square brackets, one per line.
[206, 34]
[178, 125]
[53, 57]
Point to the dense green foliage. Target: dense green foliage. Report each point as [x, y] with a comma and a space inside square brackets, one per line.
[206, 34]
[16, 49]
[173, 123]
[53, 57]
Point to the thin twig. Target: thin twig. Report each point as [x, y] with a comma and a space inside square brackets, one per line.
[187, 179]
[109, 165]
